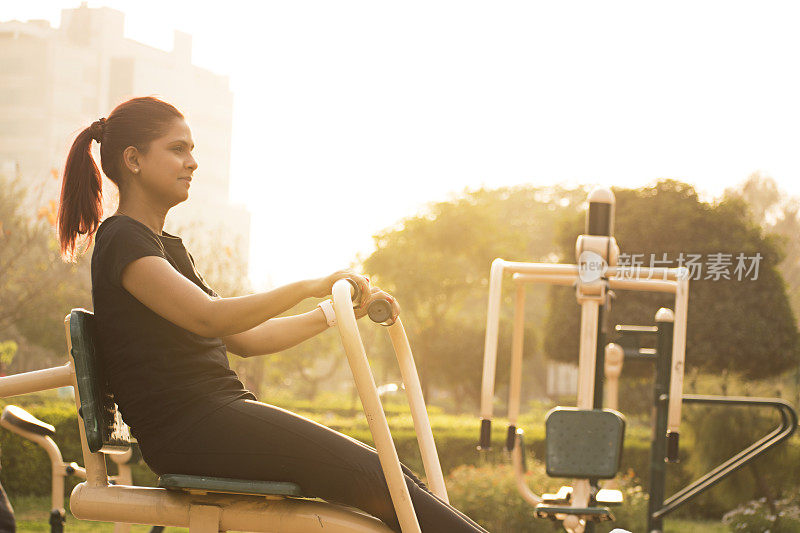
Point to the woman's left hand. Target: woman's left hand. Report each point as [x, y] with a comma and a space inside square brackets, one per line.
[377, 294]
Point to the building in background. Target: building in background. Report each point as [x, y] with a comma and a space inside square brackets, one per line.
[56, 81]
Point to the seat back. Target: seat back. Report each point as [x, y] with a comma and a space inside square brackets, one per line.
[583, 443]
[105, 430]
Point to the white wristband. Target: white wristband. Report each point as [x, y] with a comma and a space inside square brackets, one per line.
[330, 314]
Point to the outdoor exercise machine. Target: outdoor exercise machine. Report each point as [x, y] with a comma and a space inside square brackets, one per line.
[585, 442]
[582, 442]
[629, 342]
[19, 421]
[206, 504]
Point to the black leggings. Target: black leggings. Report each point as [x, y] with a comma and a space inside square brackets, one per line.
[253, 440]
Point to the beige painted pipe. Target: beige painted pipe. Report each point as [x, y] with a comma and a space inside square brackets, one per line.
[590, 310]
[373, 410]
[517, 344]
[35, 381]
[572, 270]
[519, 474]
[649, 285]
[154, 506]
[624, 278]
[57, 465]
[492, 333]
[416, 402]
[678, 355]
[614, 360]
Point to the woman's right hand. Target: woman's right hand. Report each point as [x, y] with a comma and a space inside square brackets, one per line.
[322, 287]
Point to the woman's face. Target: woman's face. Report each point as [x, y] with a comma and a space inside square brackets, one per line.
[167, 167]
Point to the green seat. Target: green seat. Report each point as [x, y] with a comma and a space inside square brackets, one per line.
[557, 512]
[203, 484]
[583, 443]
[107, 433]
[105, 430]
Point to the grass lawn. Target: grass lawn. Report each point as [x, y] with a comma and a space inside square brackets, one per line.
[33, 514]
[692, 526]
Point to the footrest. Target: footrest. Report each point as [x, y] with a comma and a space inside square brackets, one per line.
[204, 484]
[22, 419]
[559, 512]
[559, 498]
[608, 497]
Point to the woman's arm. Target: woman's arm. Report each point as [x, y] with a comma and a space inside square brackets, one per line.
[165, 291]
[282, 333]
[277, 334]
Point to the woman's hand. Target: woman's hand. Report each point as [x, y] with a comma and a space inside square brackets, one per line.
[322, 287]
[378, 294]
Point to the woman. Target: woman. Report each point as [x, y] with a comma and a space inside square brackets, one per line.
[163, 332]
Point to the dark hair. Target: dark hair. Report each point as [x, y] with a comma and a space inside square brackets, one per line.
[136, 122]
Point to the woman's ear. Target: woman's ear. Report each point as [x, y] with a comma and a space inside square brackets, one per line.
[130, 158]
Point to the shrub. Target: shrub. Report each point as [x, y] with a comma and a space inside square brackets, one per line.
[488, 495]
[756, 516]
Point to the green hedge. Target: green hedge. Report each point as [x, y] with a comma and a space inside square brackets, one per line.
[26, 468]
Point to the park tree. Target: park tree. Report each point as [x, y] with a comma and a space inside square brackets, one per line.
[740, 320]
[778, 214]
[437, 265]
[37, 289]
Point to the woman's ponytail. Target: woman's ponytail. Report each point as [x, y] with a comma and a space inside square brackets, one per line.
[80, 207]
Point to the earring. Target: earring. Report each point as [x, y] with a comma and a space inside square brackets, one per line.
[136, 170]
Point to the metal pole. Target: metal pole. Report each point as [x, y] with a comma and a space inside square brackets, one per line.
[658, 440]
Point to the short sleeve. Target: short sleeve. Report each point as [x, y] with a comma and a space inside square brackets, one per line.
[122, 243]
[205, 286]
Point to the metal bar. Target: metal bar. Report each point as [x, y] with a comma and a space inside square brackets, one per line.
[517, 344]
[636, 329]
[647, 354]
[658, 439]
[621, 272]
[416, 402]
[620, 283]
[600, 356]
[590, 309]
[518, 461]
[782, 432]
[373, 410]
[490, 349]
[678, 358]
[150, 505]
[35, 381]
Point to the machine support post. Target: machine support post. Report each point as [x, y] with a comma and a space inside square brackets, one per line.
[600, 358]
[658, 441]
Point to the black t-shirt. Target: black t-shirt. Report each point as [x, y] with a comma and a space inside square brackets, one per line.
[164, 378]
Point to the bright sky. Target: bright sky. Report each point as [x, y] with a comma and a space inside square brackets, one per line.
[350, 115]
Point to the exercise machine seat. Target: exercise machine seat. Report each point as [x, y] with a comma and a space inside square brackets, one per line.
[583, 443]
[22, 419]
[205, 484]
